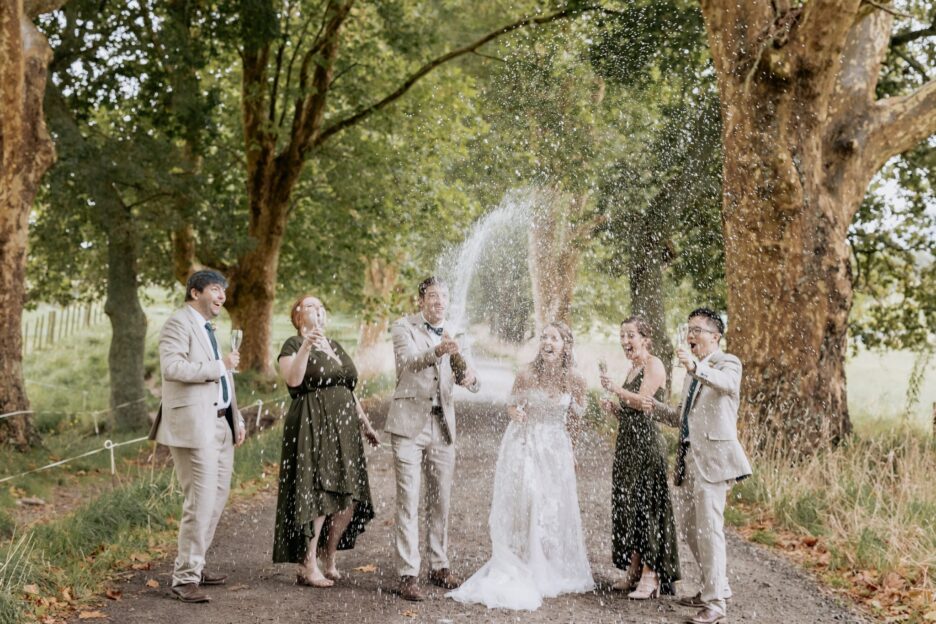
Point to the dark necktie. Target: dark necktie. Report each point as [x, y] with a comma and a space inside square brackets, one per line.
[435, 330]
[684, 435]
[214, 345]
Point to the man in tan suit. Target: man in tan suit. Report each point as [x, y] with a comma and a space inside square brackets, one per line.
[199, 421]
[709, 459]
[421, 422]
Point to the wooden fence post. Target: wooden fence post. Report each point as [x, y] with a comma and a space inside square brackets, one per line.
[37, 337]
[25, 337]
[51, 333]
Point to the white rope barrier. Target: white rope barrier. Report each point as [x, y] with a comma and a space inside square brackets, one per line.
[110, 445]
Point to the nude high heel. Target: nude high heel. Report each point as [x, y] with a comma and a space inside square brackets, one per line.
[647, 588]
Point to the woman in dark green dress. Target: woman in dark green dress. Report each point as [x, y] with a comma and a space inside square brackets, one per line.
[324, 495]
[643, 531]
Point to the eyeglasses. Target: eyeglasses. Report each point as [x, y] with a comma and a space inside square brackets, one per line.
[695, 331]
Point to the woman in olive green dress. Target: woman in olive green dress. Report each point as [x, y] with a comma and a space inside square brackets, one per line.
[643, 531]
[324, 495]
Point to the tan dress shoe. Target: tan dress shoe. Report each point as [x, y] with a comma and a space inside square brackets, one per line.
[707, 615]
[189, 592]
[409, 589]
[207, 578]
[444, 578]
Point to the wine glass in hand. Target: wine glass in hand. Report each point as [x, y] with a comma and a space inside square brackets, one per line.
[237, 338]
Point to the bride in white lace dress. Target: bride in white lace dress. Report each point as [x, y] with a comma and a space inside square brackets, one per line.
[538, 547]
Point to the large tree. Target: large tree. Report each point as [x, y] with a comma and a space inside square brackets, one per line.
[26, 152]
[292, 56]
[803, 133]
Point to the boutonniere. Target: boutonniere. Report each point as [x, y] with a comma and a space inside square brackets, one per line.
[214, 327]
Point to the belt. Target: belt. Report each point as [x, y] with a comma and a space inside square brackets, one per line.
[222, 413]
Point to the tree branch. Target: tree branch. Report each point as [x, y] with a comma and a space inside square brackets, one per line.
[35, 8]
[900, 123]
[436, 62]
[912, 62]
[821, 35]
[887, 9]
[905, 37]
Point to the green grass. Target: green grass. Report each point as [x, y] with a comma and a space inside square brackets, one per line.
[139, 507]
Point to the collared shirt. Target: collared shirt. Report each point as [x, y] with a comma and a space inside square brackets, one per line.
[436, 340]
[201, 320]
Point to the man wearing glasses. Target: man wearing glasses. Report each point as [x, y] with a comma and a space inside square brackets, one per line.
[709, 459]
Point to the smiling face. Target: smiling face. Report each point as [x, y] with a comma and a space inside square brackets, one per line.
[551, 345]
[433, 303]
[312, 313]
[635, 345]
[208, 302]
[703, 336]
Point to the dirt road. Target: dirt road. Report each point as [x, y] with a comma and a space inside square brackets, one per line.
[766, 589]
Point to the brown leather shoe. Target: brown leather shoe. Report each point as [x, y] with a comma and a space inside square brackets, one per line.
[207, 578]
[189, 592]
[444, 578]
[409, 589]
[695, 601]
[706, 616]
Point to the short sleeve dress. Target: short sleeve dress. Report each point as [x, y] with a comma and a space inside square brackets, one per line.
[323, 468]
[641, 510]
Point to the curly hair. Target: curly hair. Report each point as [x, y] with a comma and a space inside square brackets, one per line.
[566, 359]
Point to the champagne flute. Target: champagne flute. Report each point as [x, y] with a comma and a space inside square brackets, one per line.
[237, 338]
[682, 334]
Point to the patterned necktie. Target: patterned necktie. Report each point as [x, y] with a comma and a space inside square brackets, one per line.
[684, 435]
[435, 330]
[214, 345]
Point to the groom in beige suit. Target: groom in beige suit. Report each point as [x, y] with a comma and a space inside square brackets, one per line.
[199, 421]
[709, 459]
[421, 422]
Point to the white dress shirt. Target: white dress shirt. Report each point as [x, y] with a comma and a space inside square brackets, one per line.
[201, 320]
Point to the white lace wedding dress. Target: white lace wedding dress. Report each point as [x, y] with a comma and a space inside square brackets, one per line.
[538, 547]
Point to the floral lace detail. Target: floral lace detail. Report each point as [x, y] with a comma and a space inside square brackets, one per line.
[538, 547]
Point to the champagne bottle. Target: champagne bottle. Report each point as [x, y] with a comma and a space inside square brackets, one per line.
[459, 367]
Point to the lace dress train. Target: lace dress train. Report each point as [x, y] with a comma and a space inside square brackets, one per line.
[537, 542]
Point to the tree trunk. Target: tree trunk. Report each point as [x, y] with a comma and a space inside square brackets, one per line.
[128, 321]
[645, 277]
[380, 278]
[250, 300]
[26, 153]
[555, 243]
[803, 135]
[114, 218]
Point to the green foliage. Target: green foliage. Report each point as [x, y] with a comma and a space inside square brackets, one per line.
[894, 244]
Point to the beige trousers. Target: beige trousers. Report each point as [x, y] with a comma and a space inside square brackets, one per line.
[205, 477]
[427, 454]
[700, 518]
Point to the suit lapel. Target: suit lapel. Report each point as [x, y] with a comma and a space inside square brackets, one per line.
[200, 335]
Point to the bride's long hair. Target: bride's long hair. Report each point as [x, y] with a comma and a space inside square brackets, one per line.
[566, 359]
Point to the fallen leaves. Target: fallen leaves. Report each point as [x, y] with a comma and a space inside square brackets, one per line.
[91, 615]
[370, 568]
[409, 613]
[33, 590]
[113, 594]
[152, 583]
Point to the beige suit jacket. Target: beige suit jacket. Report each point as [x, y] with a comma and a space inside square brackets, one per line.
[419, 373]
[190, 380]
[713, 418]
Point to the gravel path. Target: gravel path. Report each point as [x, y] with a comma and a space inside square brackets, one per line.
[767, 589]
